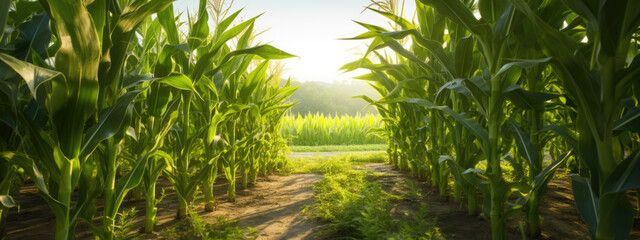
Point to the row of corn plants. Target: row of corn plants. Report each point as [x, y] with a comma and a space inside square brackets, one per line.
[478, 92]
[318, 129]
[100, 98]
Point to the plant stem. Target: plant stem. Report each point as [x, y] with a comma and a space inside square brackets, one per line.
[63, 225]
[150, 211]
[109, 201]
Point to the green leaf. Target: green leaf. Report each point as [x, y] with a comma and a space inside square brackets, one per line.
[233, 32]
[33, 75]
[460, 14]
[129, 181]
[7, 201]
[526, 99]
[34, 35]
[527, 150]
[542, 179]
[78, 60]
[625, 176]
[177, 80]
[264, 51]
[463, 58]
[586, 201]
[629, 122]
[168, 23]
[109, 122]
[470, 124]
[526, 64]
[200, 29]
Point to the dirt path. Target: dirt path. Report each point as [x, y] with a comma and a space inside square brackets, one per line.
[272, 207]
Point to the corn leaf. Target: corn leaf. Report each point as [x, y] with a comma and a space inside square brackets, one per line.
[7, 201]
[109, 123]
[586, 201]
[33, 75]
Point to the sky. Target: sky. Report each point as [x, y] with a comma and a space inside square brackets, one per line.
[311, 30]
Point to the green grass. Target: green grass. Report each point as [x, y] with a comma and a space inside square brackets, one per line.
[339, 148]
[194, 227]
[355, 206]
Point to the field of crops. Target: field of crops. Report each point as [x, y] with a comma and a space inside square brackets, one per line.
[317, 129]
[510, 82]
[100, 100]
[484, 102]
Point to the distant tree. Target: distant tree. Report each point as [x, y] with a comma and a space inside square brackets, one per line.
[332, 98]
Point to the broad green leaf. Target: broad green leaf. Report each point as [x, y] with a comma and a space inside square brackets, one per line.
[526, 99]
[397, 47]
[129, 181]
[434, 47]
[264, 51]
[225, 23]
[35, 35]
[527, 150]
[138, 11]
[626, 176]
[232, 33]
[491, 10]
[468, 123]
[586, 201]
[33, 75]
[78, 60]
[98, 11]
[460, 14]
[457, 86]
[168, 23]
[621, 214]
[27, 164]
[109, 122]
[200, 29]
[542, 179]
[463, 58]
[629, 122]
[526, 64]
[177, 80]
[371, 27]
[366, 35]
[7, 201]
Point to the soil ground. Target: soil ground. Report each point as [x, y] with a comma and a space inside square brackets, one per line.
[273, 208]
[561, 219]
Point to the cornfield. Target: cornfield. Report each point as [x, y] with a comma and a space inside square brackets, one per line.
[509, 82]
[317, 129]
[100, 98]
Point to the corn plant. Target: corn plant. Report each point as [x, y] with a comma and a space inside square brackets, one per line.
[598, 75]
[450, 71]
[476, 76]
[317, 129]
